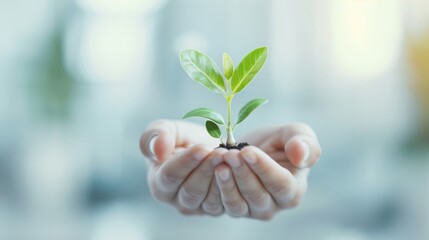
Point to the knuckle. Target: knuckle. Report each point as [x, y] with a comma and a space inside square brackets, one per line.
[214, 209]
[264, 171]
[289, 202]
[296, 200]
[258, 199]
[236, 208]
[169, 180]
[159, 195]
[154, 190]
[280, 187]
[191, 197]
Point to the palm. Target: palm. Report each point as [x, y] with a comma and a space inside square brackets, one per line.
[272, 141]
[200, 180]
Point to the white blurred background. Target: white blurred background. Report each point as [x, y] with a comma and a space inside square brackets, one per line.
[81, 79]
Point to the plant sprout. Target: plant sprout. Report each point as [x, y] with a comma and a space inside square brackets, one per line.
[204, 70]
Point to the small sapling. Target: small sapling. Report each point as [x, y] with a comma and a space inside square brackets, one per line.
[204, 70]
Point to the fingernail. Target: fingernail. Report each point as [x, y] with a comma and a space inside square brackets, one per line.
[200, 154]
[233, 161]
[151, 146]
[304, 161]
[249, 157]
[224, 175]
[216, 160]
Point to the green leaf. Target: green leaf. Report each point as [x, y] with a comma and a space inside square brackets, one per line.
[249, 107]
[248, 68]
[202, 69]
[228, 66]
[213, 129]
[206, 113]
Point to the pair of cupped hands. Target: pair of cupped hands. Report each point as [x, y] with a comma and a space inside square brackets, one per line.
[187, 171]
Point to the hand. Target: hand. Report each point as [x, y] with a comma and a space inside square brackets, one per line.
[181, 163]
[265, 179]
[269, 176]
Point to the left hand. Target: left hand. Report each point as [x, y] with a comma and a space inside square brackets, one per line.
[271, 175]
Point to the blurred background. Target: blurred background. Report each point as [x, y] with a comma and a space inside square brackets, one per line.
[81, 79]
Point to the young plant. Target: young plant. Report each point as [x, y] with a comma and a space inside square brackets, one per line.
[204, 70]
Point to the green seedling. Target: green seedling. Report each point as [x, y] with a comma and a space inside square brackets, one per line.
[204, 70]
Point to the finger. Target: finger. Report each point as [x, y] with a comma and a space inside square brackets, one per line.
[166, 135]
[303, 151]
[260, 202]
[278, 181]
[298, 141]
[189, 212]
[232, 200]
[195, 188]
[177, 150]
[300, 174]
[157, 145]
[212, 205]
[171, 174]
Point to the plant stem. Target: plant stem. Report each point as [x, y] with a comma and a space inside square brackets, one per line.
[230, 141]
[229, 111]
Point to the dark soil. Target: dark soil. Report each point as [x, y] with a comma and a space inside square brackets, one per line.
[238, 146]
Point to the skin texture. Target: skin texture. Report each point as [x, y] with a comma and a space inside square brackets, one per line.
[186, 171]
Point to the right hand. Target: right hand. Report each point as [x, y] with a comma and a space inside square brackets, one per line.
[181, 165]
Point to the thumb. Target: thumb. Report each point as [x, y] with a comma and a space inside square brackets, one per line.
[163, 136]
[159, 139]
[302, 151]
[157, 144]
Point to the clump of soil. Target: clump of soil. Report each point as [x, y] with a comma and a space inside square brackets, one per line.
[238, 146]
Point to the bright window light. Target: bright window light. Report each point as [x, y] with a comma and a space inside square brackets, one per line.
[366, 36]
